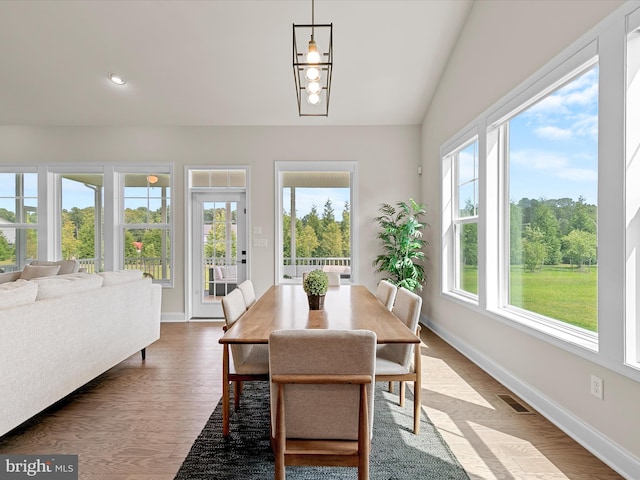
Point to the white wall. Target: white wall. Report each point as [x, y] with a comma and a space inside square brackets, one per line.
[388, 158]
[502, 44]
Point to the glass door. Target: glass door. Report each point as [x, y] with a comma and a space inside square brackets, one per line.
[219, 250]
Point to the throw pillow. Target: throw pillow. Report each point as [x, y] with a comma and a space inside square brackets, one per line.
[66, 266]
[31, 272]
[9, 277]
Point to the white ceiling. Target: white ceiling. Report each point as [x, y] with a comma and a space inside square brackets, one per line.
[217, 62]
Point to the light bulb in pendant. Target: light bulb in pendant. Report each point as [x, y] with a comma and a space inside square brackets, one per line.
[313, 99]
[313, 88]
[313, 55]
[312, 74]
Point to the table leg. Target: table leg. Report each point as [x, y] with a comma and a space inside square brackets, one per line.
[418, 389]
[225, 390]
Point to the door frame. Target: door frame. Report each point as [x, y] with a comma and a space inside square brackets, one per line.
[188, 236]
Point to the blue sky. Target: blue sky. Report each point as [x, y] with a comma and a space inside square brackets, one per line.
[76, 194]
[553, 147]
[307, 197]
[554, 144]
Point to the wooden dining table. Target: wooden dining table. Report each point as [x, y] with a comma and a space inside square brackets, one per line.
[346, 307]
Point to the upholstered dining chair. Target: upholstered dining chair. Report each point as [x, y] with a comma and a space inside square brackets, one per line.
[386, 293]
[394, 361]
[334, 279]
[322, 398]
[250, 361]
[248, 292]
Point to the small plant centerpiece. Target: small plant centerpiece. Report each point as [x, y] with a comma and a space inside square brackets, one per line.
[315, 286]
[402, 244]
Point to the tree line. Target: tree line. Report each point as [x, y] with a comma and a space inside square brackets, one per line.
[8, 249]
[319, 235]
[543, 232]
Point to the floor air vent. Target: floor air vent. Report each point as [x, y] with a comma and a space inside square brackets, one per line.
[514, 404]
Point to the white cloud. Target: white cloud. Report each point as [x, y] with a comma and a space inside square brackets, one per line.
[466, 166]
[582, 91]
[550, 132]
[586, 125]
[554, 165]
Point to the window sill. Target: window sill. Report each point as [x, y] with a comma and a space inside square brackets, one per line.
[549, 329]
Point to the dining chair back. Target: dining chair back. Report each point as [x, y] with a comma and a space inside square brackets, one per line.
[322, 398]
[386, 293]
[250, 362]
[393, 361]
[248, 292]
[334, 279]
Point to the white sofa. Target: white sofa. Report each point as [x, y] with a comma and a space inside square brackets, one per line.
[59, 332]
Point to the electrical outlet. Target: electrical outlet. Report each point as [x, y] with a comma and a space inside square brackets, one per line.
[597, 387]
[259, 242]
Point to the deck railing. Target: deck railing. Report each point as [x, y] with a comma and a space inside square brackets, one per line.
[295, 269]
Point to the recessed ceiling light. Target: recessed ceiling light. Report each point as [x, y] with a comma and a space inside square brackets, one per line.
[117, 79]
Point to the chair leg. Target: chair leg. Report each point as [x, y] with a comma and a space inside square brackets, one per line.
[402, 390]
[417, 390]
[237, 392]
[280, 436]
[225, 390]
[364, 445]
[390, 387]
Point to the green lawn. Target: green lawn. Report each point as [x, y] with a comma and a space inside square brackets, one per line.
[558, 291]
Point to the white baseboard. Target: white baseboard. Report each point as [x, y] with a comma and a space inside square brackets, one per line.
[168, 317]
[595, 442]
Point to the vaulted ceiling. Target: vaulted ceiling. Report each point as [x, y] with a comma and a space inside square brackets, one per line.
[217, 62]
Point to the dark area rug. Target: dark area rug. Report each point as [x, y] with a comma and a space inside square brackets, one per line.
[396, 453]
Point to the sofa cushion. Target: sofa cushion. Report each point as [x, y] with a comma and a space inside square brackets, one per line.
[31, 272]
[20, 292]
[217, 273]
[9, 277]
[118, 277]
[66, 266]
[61, 285]
[231, 272]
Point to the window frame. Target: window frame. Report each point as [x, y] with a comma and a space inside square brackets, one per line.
[40, 225]
[282, 167]
[573, 68]
[632, 201]
[120, 224]
[493, 237]
[451, 215]
[55, 173]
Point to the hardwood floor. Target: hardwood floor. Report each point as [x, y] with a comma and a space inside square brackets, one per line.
[139, 419]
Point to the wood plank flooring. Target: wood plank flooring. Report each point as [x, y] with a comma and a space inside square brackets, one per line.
[138, 420]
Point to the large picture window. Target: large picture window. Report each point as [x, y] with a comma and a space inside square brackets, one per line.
[551, 166]
[315, 201]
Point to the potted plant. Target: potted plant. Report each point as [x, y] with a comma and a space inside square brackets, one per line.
[402, 244]
[315, 285]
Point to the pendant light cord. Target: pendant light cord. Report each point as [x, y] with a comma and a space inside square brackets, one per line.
[312, 18]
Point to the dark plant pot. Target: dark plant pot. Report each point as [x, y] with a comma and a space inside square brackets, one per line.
[316, 302]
